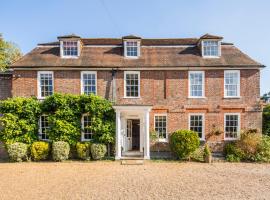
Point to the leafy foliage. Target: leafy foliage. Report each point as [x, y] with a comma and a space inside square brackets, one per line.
[263, 151]
[60, 151]
[184, 142]
[18, 152]
[206, 151]
[40, 150]
[83, 150]
[198, 154]
[98, 151]
[19, 120]
[9, 53]
[266, 120]
[233, 153]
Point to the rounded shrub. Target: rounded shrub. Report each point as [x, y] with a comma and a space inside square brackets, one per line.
[60, 151]
[184, 142]
[40, 150]
[83, 150]
[98, 151]
[233, 153]
[18, 152]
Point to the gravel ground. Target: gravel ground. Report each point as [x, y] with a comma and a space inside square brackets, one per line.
[153, 180]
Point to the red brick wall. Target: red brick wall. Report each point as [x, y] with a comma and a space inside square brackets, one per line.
[5, 86]
[167, 91]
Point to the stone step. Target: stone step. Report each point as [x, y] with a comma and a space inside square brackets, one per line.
[132, 162]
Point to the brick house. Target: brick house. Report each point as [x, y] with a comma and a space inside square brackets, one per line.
[161, 85]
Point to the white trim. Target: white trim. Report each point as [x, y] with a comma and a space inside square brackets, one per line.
[238, 85]
[238, 128]
[62, 49]
[88, 72]
[82, 126]
[166, 115]
[38, 82]
[203, 123]
[139, 84]
[203, 85]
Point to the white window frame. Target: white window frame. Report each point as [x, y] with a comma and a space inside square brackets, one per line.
[138, 48]
[139, 84]
[219, 49]
[238, 85]
[203, 123]
[38, 82]
[62, 49]
[40, 128]
[82, 132]
[203, 84]
[162, 114]
[82, 82]
[238, 128]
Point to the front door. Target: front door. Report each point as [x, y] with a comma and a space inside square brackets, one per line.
[132, 139]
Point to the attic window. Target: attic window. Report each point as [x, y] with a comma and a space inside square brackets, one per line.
[210, 48]
[70, 49]
[132, 49]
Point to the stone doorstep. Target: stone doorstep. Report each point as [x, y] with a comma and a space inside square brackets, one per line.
[132, 162]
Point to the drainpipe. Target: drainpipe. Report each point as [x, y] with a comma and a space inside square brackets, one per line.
[114, 85]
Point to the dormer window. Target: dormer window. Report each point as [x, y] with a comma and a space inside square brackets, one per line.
[70, 48]
[131, 48]
[210, 48]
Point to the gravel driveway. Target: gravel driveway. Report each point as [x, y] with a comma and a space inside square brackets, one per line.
[153, 180]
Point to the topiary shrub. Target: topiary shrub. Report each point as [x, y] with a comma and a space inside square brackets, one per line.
[17, 152]
[40, 150]
[83, 150]
[60, 151]
[184, 142]
[98, 151]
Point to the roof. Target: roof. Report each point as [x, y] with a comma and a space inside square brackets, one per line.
[208, 36]
[68, 36]
[112, 56]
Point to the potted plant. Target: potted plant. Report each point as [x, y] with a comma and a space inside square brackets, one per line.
[207, 155]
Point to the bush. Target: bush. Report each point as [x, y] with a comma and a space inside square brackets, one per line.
[40, 150]
[18, 152]
[263, 153]
[83, 150]
[198, 154]
[184, 142]
[233, 153]
[206, 151]
[98, 151]
[266, 120]
[60, 151]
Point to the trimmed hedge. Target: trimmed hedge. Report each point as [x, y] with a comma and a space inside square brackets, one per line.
[184, 142]
[18, 152]
[40, 150]
[60, 151]
[83, 150]
[98, 151]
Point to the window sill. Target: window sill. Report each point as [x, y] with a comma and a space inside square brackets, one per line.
[231, 139]
[70, 57]
[131, 57]
[211, 57]
[238, 97]
[131, 97]
[163, 140]
[86, 140]
[196, 97]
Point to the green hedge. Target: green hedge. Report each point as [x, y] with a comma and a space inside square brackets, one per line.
[21, 115]
[18, 152]
[40, 150]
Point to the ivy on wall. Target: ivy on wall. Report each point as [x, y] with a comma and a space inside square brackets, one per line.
[64, 111]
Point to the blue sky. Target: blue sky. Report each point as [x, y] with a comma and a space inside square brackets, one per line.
[243, 22]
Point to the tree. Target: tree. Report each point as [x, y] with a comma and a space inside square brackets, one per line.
[266, 97]
[9, 53]
[266, 120]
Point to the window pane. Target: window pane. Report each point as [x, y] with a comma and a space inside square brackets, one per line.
[196, 84]
[161, 126]
[231, 126]
[132, 48]
[132, 85]
[231, 81]
[46, 84]
[70, 48]
[196, 124]
[43, 127]
[86, 126]
[89, 83]
[210, 48]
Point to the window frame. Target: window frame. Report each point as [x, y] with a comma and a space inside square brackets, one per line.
[38, 83]
[82, 81]
[138, 48]
[40, 128]
[219, 49]
[162, 115]
[82, 129]
[238, 85]
[69, 56]
[203, 84]
[238, 128]
[203, 123]
[139, 85]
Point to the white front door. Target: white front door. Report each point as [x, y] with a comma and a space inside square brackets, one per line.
[129, 135]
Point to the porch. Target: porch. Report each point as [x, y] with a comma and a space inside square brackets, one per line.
[132, 131]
